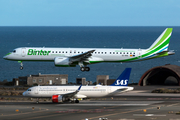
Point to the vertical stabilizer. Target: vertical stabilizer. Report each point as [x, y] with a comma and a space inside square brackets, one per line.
[162, 42]
[123, 79]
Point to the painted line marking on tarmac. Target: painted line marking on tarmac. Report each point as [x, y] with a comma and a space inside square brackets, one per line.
[148, 115]
[118, 113]
[104, 104]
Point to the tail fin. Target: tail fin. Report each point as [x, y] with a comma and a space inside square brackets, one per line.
[123, 79]
[162, 42]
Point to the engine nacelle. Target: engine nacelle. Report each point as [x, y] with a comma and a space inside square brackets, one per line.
[58, 99]
[61, 61]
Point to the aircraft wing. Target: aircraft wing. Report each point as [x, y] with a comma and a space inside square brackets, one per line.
[82, 56]
[70, 95]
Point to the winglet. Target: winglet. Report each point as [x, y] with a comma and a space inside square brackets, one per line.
[123, 79]
[79, 87]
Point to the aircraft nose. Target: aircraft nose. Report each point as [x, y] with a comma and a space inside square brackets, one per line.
[24, 93]
[5, 57]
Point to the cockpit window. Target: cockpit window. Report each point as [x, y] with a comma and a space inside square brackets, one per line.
[14, 51]
[29, 90]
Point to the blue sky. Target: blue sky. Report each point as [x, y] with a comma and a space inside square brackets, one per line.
[89, 12]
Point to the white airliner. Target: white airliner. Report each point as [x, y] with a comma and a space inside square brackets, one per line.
[70, 57]
[61, 94]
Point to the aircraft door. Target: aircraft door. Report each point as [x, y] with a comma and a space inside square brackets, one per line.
[36, 90]
[139, 53]
[109, 89]
[23, 52]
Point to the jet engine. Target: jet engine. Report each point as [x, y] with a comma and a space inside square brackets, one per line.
[58, 99]
[61, 61]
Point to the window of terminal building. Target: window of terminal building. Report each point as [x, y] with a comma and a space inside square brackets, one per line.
[34, 81]
[40, 80]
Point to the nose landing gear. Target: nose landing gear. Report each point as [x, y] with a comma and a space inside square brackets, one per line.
[21, 67]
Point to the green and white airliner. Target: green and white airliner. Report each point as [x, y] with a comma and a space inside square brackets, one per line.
[70, 57]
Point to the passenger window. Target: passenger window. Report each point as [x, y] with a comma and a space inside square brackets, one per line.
[130, 53]
[127, 52]
[66, 51]
[124, 53]
[120, 52]
[113, 52]
[52, 51]
[134, 52]
[116, 52]
[14, 51]
[110, 52]
[98, 52]
[59, 51]
[62, 51]
[105, 52]
[56, 51]
[102, 52]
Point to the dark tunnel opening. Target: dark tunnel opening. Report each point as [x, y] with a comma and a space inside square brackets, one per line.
[160, 76]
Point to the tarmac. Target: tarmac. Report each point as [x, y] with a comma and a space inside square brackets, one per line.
[112, 108]
[134, 105]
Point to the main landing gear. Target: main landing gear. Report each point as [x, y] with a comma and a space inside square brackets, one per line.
[85, 69]
[21, 67]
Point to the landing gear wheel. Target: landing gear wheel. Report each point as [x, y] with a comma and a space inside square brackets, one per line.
[76, 101]
[82, 69]
[21, 67]
[87, 68]
[37, 101]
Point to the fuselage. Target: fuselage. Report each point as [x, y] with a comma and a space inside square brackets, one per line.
[85, 91]
[70, 57]
[99, 55]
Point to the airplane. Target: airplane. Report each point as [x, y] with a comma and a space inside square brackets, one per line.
[70, 57]
[61, 94]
